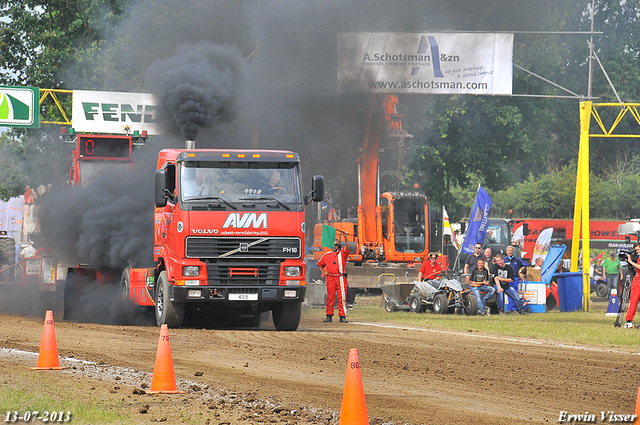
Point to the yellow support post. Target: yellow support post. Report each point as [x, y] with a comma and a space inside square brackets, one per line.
[627, 112]
[577, 214]
[581, 207]
[585, 119]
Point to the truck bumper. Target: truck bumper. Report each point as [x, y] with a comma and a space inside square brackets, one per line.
[226, 294]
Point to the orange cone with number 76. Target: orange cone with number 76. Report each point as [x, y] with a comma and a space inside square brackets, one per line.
[48, 357]
[164, 377]
[354, 407]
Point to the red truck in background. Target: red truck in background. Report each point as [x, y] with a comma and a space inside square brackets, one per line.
[604, 234]
[43, 270]
[226, 236]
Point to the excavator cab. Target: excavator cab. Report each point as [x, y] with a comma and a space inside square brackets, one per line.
[409, 221]
[404, 226]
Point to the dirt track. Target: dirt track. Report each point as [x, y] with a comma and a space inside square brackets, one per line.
[411, 375]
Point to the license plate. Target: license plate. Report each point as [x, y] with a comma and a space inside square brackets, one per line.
[243, 297]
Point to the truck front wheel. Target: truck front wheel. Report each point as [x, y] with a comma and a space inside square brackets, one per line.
[167, 312]
[286, 316]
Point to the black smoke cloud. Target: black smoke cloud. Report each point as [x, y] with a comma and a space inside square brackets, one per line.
[253, 74]
[107, 223]
[199, 86]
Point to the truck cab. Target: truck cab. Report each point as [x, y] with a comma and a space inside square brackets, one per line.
[229, 234]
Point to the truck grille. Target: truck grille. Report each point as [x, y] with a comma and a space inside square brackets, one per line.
[243, 272]
[234, 247]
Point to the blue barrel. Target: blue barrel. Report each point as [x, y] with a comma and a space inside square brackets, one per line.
[570, 291]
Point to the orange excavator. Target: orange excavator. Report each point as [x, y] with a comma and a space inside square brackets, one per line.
[391, 231]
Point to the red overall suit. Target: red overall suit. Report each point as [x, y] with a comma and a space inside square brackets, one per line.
[335, 264]
[634, 297]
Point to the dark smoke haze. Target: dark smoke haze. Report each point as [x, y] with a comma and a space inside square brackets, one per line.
[235, 74]
[107, 223]
[199, 86]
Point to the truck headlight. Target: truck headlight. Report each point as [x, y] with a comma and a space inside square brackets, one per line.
[291, 271]
[191, 271]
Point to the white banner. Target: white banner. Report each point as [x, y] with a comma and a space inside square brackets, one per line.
[448, 230]
[11, 216]
[444, 63]
[114, 112]
[543, 244]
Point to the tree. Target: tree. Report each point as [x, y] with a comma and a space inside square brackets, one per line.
[42, 37]
[41, 40]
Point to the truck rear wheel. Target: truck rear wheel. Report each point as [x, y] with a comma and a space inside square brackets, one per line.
[286, 316]
[70, 297]
[167, 312]
[124, 286]
[7, 251]
[7, 257]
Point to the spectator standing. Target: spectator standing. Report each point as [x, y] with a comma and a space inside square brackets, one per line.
[472, 260]
[333, 265]
[430, 270]
[613, 271]
[634, 295]
[503, 278]
[489, 256]
[479, 281]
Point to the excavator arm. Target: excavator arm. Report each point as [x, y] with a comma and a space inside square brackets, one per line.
[382, 120]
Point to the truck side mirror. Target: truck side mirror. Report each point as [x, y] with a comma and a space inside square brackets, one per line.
[160, 187]
[525, 229]
[317, 190]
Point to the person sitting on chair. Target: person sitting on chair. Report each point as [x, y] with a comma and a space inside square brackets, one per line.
[430, 270]
[479, 281]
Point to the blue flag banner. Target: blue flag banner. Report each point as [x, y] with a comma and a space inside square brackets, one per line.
[478, 221]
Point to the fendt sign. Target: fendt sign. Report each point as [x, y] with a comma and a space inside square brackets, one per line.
[114, 112]
[19, 107]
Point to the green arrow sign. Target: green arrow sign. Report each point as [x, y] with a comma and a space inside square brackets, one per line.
[19, 106]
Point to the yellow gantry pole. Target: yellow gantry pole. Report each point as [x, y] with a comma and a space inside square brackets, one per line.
[581, 207]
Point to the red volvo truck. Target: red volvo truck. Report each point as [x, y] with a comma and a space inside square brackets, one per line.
[229, 236]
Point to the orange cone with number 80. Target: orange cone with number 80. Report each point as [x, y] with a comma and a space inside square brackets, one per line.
[354, 407]
[48, 357]
[164, 378]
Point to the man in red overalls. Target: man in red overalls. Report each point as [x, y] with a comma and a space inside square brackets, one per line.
[333, 265]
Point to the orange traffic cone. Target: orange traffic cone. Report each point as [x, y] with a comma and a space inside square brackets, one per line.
[48, 356]
[164, 378]
[354, 408]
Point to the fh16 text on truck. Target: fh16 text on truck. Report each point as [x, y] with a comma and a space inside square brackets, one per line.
[229, 236]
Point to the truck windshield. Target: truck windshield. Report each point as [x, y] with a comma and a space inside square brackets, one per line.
[91, 169]
[497, 233]
[240, 183]
[409, 225]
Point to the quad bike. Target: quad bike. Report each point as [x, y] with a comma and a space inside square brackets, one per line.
[442, 296]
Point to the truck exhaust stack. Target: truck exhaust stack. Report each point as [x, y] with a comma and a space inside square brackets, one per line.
[189, 144]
